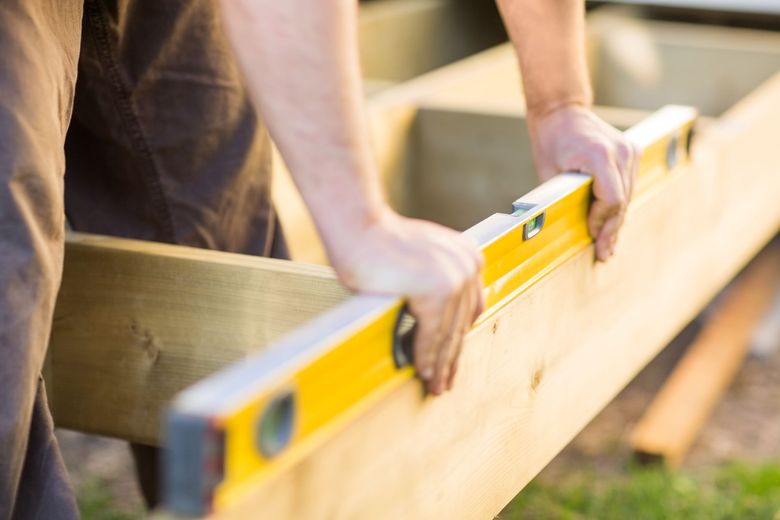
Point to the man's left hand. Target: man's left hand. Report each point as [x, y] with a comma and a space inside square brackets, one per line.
[572, 138]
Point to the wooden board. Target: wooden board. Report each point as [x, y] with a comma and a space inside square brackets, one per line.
[674, 419]
[482, 91]
[136, 322]
[402, 39]
[746, 6]
[643, 64]
[533, 375]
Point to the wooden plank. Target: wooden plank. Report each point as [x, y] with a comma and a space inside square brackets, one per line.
[402, 39]
[92, 328]
[468, 165]
[674, 419]
[534, 374]
[136, 322]
[744, 6]
[645, 64]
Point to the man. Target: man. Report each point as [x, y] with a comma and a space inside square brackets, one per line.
[162, 144]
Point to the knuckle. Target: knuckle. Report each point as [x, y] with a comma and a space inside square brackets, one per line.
[624, 153]
[600, 154]
[613, 210]
[447, 286]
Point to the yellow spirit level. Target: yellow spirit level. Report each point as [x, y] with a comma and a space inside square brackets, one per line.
[235, 430]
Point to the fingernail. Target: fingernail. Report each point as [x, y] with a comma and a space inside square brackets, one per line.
[426, 373]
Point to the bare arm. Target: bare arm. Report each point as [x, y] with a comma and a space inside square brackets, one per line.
[549, 36]
[299, 59]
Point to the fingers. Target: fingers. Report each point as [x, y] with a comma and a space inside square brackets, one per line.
[609, 191]
[446, 315]
[614, 175]
[434, 316]
[627, 161]
[451, 346]
[478, 305]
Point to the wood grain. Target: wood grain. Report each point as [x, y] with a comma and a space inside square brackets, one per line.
[136, 322]
[533, 375]
[675, 417]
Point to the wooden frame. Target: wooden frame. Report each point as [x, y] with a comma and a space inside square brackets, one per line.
[402, 39]
[137, 322]
[135, 316]
[535, 373]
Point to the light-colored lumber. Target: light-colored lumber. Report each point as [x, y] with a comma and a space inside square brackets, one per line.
[136, 322]
[169, 324]
[402, 39]
[674, 419]
[468, 165]
[644, 64]
[744, 6]
[535, 373]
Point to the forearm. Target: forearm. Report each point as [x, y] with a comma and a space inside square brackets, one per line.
[299, 59]
[549, 36]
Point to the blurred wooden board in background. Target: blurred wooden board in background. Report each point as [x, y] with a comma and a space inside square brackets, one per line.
[674, 419]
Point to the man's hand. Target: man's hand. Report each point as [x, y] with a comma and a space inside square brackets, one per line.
[300, 62]
[436, 269]
[573, 138]
[549, 37]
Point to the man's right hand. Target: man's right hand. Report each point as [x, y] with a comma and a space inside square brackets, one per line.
[436, 269]
[315, 114]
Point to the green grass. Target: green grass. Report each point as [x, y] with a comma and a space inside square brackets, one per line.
[733, 492]
[96, 503]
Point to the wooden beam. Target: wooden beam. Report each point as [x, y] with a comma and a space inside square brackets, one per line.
[402, 39]
[644, 64]
[468, 165]
[674, 419]
[137, 322]
[535, 373]
[746, 6]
